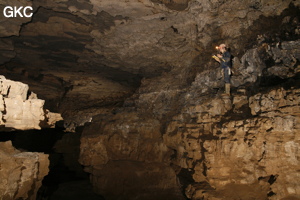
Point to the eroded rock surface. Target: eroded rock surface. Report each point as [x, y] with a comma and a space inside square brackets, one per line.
[227, 150]
[130, 156]
[140, 74]
[71, 47]
[21, 109]
[215, 144]
[21, 173]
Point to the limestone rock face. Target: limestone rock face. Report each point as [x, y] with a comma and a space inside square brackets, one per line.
[227, 152]
[72, 47]
[139, 75]
[22, 111]
[8, 26]
[243, 146]
[267, 60]
[21, 173]
[129, 156]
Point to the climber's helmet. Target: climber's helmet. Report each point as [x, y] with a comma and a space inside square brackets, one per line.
[221, 46]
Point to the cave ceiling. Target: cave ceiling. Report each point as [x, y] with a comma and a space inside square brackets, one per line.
[96, 51]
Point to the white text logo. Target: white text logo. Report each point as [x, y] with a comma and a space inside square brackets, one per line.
[15, 11]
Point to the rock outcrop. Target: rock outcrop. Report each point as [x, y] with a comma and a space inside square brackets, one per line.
[73, 49]
[21, 109]
[249, 141]
[213, 144]
[214, 147]
[139, 75]
[21, 172]
[130, 156]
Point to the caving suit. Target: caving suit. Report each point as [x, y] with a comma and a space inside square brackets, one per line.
[226, 65]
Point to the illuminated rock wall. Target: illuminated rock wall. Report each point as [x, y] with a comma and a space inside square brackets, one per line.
[21, 109]
[21, 173]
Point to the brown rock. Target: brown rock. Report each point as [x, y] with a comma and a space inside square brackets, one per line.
[130, 156]
[258, 153]
[21, 172]
[21, 112]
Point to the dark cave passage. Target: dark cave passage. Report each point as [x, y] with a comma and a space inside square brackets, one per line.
[66, 179]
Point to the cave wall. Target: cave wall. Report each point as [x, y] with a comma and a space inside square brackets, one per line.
[249, 140]
[21, 172]
[68, 51]
[215, 144]
[21, 109]
[139, 76]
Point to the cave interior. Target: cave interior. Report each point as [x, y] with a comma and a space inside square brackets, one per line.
[123, 73]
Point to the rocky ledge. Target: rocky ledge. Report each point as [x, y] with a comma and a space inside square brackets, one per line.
[138, 75]
[21, 172]
[213, 148]
[249, 143]
[189, 141]
[21, 109]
